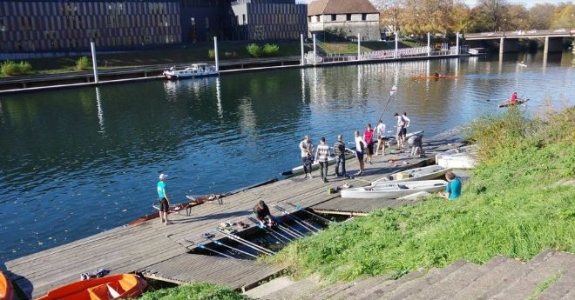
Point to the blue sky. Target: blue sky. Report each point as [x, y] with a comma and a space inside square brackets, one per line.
[527, 3]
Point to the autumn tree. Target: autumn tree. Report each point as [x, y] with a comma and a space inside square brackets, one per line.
[541, 15]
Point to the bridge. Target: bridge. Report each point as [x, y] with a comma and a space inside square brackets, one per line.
[508, 40]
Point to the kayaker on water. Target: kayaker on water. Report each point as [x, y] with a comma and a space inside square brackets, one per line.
[513, 99]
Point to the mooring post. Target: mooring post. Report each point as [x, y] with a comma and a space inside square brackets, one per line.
[428, 44]
[94, 62]
[302, 62]
[216, 53]
[358, 46]
[396, 41]
[314, 51]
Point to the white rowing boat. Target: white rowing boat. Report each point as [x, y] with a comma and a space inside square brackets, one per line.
[461, 158]
[423, 173]
[349, 153]
[394, 190]
[391, 140]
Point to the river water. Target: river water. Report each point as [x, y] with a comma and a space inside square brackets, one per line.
[75, 162]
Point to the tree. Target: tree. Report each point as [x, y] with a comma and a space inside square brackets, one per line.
[492, 15]
[461, 17]
[518, 17]
[563, 16]
[541, 15]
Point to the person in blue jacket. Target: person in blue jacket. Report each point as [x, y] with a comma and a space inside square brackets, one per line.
[453, 188]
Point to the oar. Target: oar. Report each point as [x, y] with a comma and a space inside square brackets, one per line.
[233, 248]
[497, 99]
[274, 233]
[309, 227]
[247, 243]
[298, 207]
[391, 93]
[202, 246]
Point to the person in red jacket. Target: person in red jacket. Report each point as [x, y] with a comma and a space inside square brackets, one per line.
[513, 99]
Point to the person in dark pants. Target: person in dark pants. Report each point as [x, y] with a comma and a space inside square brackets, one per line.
[263, 214]
[306, 149]
[163, 198]
[339, 150]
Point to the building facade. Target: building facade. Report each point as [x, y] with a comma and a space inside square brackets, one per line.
[37, 26]
[44, 26]
[344, 19]
[269, 19]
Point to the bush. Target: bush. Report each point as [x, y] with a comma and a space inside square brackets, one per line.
[254, 50]
[10, 68]
[270, 50]
[211, 54]
[83, 63]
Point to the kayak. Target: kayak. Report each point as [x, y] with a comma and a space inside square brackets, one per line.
[423, 173]
[110, 287]
[519, 102]
[6, 290]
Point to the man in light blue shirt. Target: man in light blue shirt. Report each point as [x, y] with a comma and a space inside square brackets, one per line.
[163, 198]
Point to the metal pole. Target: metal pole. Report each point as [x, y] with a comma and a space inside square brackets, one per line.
[358, 46]
[428, 44]
[396, 41]
[302, 54]
[314, 51]
[457, 44]
[94, 61]
[216, 53]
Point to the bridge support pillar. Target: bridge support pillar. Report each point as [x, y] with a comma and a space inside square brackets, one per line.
[553, 45]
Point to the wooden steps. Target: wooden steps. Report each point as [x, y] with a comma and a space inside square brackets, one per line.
[549, 275]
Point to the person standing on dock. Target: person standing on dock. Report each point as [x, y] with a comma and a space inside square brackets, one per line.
[360, 146]
[400, 130]
[321, 155]
[306, 149]
[163, 198]
[380, 133]
[407, 124]
[368, 138]
[339, 150]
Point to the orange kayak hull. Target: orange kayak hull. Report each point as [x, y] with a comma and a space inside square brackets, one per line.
[103, 288]
[6, 290]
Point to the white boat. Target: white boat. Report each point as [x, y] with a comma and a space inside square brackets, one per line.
[476, 51]
[461, 158]
[194, 70]
[349, 153]
[423, 173]
[394, 190]
[391, 141]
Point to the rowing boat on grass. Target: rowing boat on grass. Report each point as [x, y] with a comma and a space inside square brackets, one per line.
[519, 102]
[349, 153]
[423, 173]
[6, 290]
[394, 190]
[110, 287]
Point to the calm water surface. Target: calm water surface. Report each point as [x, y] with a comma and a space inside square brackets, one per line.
[77, 162]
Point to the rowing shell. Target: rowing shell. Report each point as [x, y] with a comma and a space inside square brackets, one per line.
[519, 102]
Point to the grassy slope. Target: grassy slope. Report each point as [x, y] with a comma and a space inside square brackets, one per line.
[509, 208]
[198, 291]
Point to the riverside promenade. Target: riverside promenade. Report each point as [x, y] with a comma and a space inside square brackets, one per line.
[163, 252]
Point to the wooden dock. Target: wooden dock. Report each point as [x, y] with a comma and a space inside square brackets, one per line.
[163, 252]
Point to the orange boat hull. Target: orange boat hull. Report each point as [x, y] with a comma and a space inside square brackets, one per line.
[6, 290]
[435, 77]
[104, 288]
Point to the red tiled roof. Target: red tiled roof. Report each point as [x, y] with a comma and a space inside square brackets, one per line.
[336, 7]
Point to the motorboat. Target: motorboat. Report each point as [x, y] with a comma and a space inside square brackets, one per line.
[191, 71]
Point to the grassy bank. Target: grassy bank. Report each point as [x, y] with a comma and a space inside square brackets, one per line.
[511, 207]
[198, 291]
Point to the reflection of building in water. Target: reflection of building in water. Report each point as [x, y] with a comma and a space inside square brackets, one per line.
[248, 123]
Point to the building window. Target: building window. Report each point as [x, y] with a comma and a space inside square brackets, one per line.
[207, 23]
[2, 24]
[364, 17]
[348, 17]
[244, 19]
[192, 22]
[333, 18]
[309, 19]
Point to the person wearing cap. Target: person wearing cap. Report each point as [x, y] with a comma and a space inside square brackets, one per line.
[163, 198]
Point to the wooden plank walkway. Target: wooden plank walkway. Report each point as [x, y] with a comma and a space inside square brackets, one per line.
[152, 246]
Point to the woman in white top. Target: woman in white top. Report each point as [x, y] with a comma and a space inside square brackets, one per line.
[360, 146]
[380, 132]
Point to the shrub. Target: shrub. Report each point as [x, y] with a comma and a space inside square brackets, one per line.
[254, 50]
[270, 50]
[10, 68]
[83, 63]
[211, 54]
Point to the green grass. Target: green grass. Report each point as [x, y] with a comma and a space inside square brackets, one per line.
[197, 291]
[510, 208]
[545, 285]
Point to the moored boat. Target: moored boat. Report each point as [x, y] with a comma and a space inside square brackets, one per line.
[436, 77]
[108, 288]
[194, 70]
[462, 160]
[423, 173]
[394, 190]
[6, 289]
